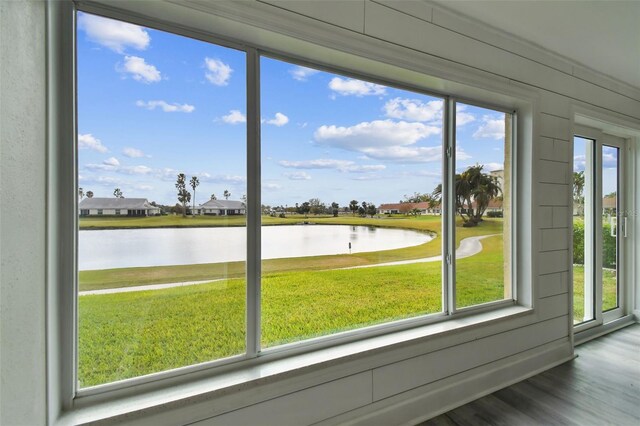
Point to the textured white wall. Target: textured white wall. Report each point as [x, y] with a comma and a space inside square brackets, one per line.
[22, 230]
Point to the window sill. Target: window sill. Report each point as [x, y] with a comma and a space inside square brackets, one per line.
[268, 372]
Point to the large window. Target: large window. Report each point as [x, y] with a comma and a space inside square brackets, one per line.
[364, 203]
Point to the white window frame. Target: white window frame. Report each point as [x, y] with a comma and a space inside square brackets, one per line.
[62, 309]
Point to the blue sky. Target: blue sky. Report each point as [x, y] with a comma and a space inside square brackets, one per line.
[153, 104]
[609, 163]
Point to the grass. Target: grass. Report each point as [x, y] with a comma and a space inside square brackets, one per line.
[126, 335]
[609, 292]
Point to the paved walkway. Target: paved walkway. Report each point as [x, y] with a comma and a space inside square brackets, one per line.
[468, 247]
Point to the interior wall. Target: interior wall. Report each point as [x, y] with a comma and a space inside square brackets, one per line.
[22, 212]
[402, 383]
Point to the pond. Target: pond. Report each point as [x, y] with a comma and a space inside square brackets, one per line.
[125, 248]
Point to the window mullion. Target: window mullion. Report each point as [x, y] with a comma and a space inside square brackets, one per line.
[448, 207]
[253, 203]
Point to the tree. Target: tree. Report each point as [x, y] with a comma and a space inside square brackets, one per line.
[335, 208]
[578, 191]
[353, 206]
[226, 194]
[371, 209]
[316, 206]
[194, 182]
[473, 192]
[80, 193]
[213, 197]
[184, 196]
[304, 208]
[89, 194]
[362, 210]
[117, 193]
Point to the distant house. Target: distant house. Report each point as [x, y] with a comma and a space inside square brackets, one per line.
[495, 205]
[221, 208]
[405, 208]
[132, 207]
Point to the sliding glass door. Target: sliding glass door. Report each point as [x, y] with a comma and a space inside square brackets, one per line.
[599, 228]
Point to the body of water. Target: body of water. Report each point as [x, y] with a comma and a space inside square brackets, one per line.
[125, 248]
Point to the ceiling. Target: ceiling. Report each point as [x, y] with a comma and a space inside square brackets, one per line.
[602, 35]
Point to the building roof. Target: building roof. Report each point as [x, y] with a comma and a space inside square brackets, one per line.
[407, 206]
[609, 202]
[223, 204]
[116, 203]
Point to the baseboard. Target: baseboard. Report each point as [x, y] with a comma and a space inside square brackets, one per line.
[592, 333]
[425, 402]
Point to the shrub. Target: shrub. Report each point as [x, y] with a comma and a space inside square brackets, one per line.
[494, 213]
[609, 247]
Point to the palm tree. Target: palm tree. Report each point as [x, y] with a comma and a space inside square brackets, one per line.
[226, 194]
[80, 193]
[184, 196]
[473, 192]
[213, 197]
[89, 194]
[194, 182]
[117, 193]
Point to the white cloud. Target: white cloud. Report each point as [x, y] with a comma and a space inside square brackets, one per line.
[463, 117]
[414, 110]
[279, 120]
[115, 35]
[327, 163]
[108, 180]
[234, 117]
[491, 128]
[143, 187]
[489, 167]
[298, 176]
[383, 140]
[271, 186]
[302, 73]
[166, 107]
[133, 153]
[88, 141]
[351, 86]
[111, 166]
[135, 170]
[140, 70]
[230, 179]
[218, 73]
[111, 161]
[462, 155]
[366, 168]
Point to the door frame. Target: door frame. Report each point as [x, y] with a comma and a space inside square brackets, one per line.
[594, 162]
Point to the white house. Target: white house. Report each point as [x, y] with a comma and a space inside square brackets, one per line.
[131, 207]
[220, 208]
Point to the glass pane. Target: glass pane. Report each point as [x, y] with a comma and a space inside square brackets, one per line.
[483, 199]
[351, 227]
[610, 216]
[161, 259]
[583, 287]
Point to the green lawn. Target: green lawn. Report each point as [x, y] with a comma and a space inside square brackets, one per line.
[130, 334]
[609, 291]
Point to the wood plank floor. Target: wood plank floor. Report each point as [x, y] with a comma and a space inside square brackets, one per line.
[600, 387]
